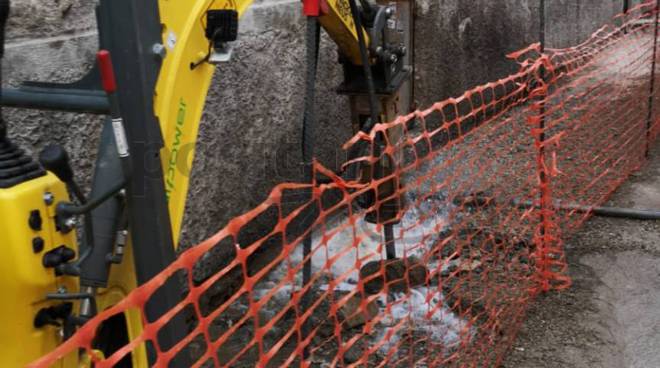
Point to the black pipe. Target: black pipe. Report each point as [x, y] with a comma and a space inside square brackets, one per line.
[374, 109]
[615, 212]
[69, 209]
[366, 66]
[56, 100]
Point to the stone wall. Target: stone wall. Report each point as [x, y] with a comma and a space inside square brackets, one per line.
[464, 43]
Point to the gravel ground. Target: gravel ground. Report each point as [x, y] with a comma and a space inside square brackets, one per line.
[610, 317]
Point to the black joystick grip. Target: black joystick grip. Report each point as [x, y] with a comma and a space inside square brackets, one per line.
[55, 159]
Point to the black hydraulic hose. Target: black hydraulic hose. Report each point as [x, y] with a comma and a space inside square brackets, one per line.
[70, 209]
[67, 209]
[309, 114]
[374, 107]
[368, 9]
[361, 148]
[368, 75]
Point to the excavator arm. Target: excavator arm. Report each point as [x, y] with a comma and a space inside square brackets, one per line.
[190, 64]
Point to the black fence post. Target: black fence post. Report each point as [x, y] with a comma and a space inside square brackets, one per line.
[540, 139]
[543, 178]
[312, 39]
[649, 120]
[542, 24]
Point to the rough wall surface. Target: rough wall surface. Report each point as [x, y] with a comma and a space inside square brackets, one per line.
[251, 130]
[250, 134]
[463, 43]
[52, 41]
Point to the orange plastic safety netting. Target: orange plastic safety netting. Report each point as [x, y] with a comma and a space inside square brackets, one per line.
[484, 188]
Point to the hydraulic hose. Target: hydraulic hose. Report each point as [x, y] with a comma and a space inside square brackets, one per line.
[368, 75]
[374, 107]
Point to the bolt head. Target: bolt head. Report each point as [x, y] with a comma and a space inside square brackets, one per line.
[49, 198]
[159, 50]
[71, 222]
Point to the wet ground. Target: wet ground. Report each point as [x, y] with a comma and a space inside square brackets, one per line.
[610, 317]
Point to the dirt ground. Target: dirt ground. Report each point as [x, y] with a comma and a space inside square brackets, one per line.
[610, 317]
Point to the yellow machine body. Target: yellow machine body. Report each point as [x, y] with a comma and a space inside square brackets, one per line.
[23, 279]
[122, 281]
[26, 282]
[181, 92]
[338, 23]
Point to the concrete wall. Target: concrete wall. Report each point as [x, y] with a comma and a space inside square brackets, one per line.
[463, 43]
[251, 131]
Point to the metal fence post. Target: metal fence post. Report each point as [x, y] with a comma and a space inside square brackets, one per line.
[543, 177]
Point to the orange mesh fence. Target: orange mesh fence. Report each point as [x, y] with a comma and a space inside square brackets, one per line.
[484, 186]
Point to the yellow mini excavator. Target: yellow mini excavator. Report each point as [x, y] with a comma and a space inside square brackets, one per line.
[68, 254]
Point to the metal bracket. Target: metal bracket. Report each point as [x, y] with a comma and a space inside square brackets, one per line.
[221, 54]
